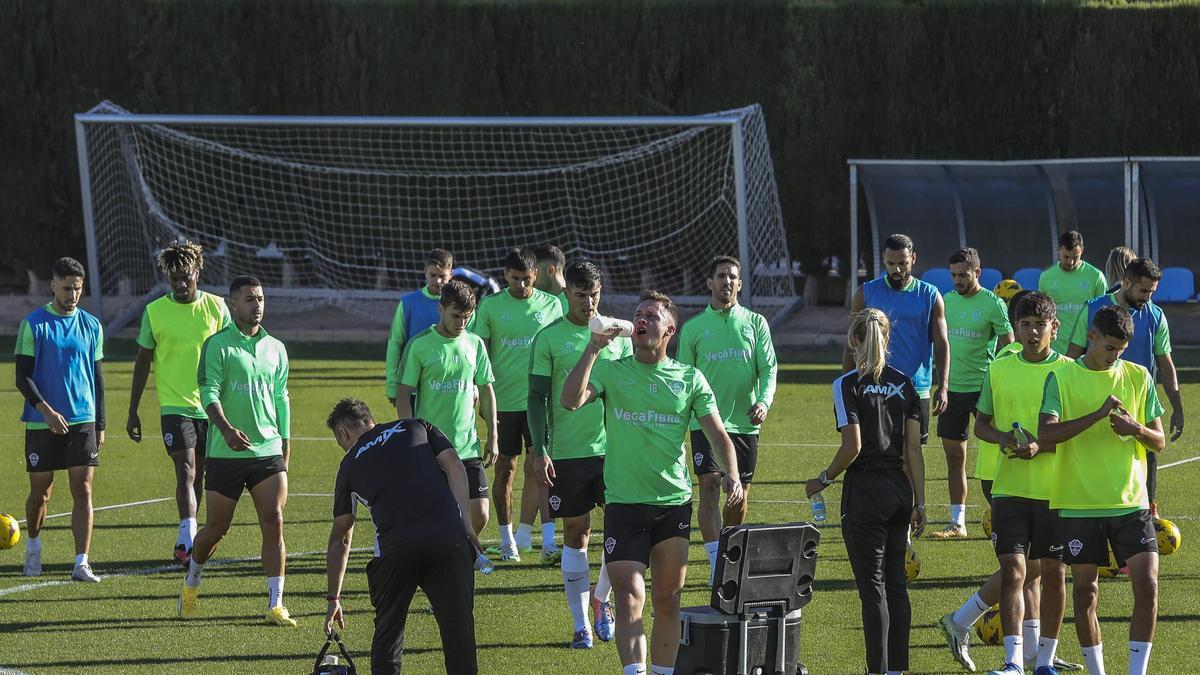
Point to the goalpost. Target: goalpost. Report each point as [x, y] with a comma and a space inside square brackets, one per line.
[340, 211]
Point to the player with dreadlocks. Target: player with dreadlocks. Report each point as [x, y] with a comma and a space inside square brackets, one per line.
[174, 329]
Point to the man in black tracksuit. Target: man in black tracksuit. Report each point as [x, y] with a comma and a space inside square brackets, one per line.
[409, 475]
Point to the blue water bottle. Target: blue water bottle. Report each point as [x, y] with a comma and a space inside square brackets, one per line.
[484, 565]
[1020, 435]
[818, 507]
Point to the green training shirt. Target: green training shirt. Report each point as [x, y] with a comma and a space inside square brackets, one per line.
[556, 350]
[176, 332]
[509, 326]
[444, 372]
[734, 351]
[647, 409]
[248, 376]
[973, 324]
[1071, 291]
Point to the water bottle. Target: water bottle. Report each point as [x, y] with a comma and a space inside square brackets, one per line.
[603, 324]
[1019, 433]
[484, 565]
[818, 507]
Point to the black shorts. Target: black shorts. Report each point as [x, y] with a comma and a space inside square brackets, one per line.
[477, 485]
[229, 477]
[924, 421]
[955, 421]
[184, 433]
[48, 451]
[1087, 539]
[745, 445]
[578, 487]
[1026, 527]
[512, 432]
[631, 530]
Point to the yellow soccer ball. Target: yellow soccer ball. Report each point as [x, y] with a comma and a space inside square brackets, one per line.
[1169, 537]
[986, 522]
[1006, 289]
[988, 628]
[10, 531]
[1112, 569]
[912, 564]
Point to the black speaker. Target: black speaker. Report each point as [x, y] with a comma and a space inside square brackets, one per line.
[760, 565]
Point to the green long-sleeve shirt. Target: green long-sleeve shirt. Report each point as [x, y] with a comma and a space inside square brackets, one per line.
[248, 377]
[733, 349]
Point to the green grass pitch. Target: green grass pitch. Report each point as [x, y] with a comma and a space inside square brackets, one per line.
[127, 623]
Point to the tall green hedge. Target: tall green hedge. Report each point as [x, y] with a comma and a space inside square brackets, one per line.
[954, 79]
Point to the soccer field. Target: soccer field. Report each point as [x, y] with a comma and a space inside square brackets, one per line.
[127, 623]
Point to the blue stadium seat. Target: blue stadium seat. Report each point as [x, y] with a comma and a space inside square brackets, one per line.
[1178, 285]
[1028, 277]
[940, 277]
[989, 277]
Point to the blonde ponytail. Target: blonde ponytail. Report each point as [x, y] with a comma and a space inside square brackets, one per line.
[868, 338]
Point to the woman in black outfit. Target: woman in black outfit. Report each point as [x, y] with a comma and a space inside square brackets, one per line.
[879, 416]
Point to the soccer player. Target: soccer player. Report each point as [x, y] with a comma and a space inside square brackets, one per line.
[551, 264]
[569, 446]
[409, 475]
[1024, 528]
[417, 311]
[507, 322]
[243, 375]
[1071, 281]
[1150, 346]
[174, 328]
[649, 401]
[918, 322]
[732, 346]
[444, 365]
[58, 354]
[977, 323]
[1103, 415]
[879, 417]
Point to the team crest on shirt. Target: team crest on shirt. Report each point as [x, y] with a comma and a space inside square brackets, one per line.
[707, 332]
[33, 459]
[676, 387]
[555, 502]
[504, 316]
[976, 315]
[747, 330]
[1076, 546]
[698, 458]
[1083, 285]
[539, 316]
[610, 544]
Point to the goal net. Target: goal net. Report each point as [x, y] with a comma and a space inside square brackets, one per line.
[340, 212]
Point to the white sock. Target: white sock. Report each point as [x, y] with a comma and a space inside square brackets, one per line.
[1012, 649]
[193, 574]
[661, 670]
[524, 536]
[710, 549]
[187, 532]
[634, 669]
[1046, 648]
[969, 613]
[1139, 657]
[34, 544]
[506, 538]
[1031, 630]
[958, 514]
[80, 559]
[548, 537]
[274, 592]
[603, 587]
[576, 581]
[1094, 658]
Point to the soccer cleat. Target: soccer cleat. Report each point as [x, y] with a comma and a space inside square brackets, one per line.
[83, 572]
[1045, 670]
[183, 555]
[186, 608]
[279, 616]
[602, 615]
[33, 563]
[1009, 668]
[958, 641]
[951, 531]
[1061, 665]
[551, 556]
[510, 555]
[581, 639]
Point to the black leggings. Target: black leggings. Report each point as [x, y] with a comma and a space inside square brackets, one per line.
[876, 508]
[444, 569]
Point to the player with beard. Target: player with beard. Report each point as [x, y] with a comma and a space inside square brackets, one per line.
[1071, 281]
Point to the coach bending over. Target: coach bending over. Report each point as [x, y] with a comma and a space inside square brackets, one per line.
[424, 536]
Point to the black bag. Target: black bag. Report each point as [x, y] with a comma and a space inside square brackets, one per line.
[340, 669]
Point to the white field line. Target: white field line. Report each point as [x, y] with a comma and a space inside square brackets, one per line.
[9, 671]
[156, 501]
[329, 439]
[1182, 461]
